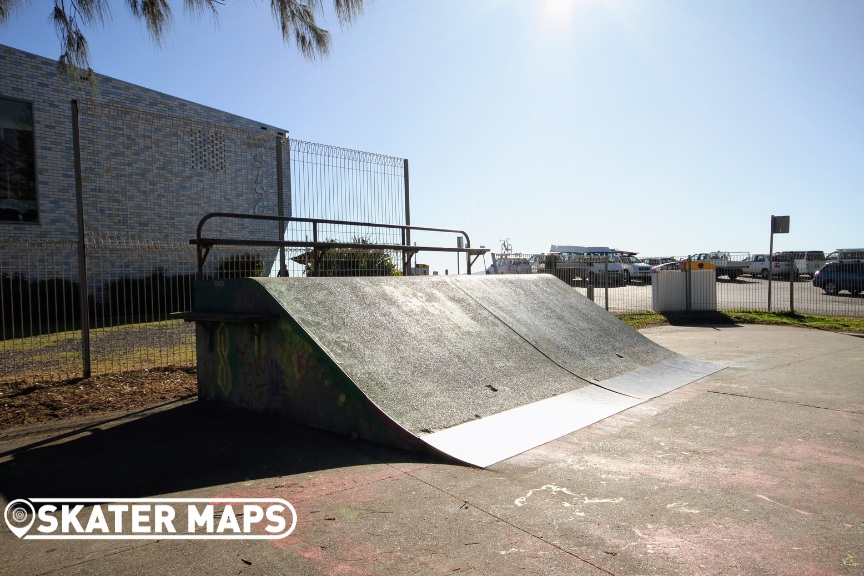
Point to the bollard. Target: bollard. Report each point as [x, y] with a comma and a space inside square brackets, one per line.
[591, 292]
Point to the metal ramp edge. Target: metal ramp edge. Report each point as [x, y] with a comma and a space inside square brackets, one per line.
[501, 436]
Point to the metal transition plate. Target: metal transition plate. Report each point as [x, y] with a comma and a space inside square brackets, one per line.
[495, 438]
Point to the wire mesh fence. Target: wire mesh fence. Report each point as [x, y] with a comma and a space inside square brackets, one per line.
[335, 183]
[739, 282]
[129, 311]
[40, 314]
[146, 179]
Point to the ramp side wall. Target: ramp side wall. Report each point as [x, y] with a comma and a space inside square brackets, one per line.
[276, 368]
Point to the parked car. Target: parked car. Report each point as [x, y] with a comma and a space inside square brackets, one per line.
[594, 264]
[633, 268]
[657, 260]
[846, 254]
[726, 266]
[835, 277]
[673, 265]
[757, 265]
[807, 262]
[509, 264]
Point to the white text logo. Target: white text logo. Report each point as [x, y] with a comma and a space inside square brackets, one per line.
[151, 518]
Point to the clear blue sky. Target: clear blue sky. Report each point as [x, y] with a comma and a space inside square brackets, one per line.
[662, 126]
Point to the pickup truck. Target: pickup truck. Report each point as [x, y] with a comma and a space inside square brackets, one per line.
[726, 266]
[758, 265]
[633, 268]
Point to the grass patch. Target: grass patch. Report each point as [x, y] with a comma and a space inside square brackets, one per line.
[830, 323]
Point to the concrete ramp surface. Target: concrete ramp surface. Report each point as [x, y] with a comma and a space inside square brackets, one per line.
[478, 367]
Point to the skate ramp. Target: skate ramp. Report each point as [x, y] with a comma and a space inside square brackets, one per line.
[479, 368]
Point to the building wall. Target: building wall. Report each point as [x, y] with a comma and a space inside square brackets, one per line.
[152, 164]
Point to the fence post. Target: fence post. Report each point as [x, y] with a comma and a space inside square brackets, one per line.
[83, 291]
[280, 200]
[688, 297]
[606, 283]
[407, 202]
[793, 276]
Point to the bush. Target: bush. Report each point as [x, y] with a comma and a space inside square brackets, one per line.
[37, 306]
[340, 262]
[152, 297]
[241, 266]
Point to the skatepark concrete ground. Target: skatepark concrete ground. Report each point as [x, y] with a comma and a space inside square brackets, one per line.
[755, 469]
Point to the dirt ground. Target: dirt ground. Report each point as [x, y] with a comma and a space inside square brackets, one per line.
[35, 402]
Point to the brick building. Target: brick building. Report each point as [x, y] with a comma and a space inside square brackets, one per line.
[151, 164]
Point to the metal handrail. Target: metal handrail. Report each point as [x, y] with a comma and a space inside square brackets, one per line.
[203, 244]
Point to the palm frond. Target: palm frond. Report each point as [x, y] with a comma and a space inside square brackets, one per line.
[7, 8]
[348, 10]
[297, 21]
[156, 15]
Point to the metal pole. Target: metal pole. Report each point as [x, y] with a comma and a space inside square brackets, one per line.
[688, 280]
[793, 275]
[606, 283]
[83, 295]
[280, 199]
[770, 262]
[407, 239]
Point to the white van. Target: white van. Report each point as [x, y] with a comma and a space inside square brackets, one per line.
[594, 264]
[509, 264]
[807, 262]
[846, 254]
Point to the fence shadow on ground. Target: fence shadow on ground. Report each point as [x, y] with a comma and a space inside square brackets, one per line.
[698, 318]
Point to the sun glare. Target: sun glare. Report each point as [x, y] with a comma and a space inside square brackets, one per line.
[558, 12]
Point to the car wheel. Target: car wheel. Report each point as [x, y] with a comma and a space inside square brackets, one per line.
[764, 274]
[830, 287]
[625, 278]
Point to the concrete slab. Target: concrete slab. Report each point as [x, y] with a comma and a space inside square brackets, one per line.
[705, 479]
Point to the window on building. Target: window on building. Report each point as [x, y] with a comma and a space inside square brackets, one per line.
[17, 162]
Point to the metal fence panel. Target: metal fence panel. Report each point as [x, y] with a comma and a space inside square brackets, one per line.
[749, 291]
[39, 315]
[146, 180]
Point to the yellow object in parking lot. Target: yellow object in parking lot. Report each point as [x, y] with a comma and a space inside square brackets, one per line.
[697, 265]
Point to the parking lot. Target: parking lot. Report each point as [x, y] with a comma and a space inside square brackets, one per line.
[745, 293]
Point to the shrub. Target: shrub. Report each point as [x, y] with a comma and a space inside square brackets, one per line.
[241, 266]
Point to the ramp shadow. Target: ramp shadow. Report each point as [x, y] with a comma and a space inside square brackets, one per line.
[192, 446]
